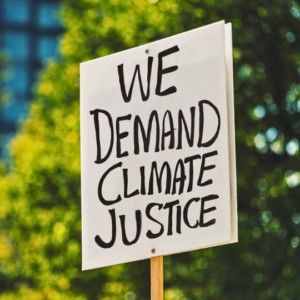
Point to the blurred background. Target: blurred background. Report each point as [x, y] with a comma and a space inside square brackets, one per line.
[29, 34]
[41, 46]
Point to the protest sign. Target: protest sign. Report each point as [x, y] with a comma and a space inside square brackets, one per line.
[157, 148]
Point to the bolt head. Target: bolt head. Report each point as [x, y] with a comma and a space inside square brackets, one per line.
[147, 51]
[153, 251]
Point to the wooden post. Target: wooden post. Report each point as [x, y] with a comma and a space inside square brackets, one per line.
[157, 278]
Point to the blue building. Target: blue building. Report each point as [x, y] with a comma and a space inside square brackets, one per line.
[29, 33]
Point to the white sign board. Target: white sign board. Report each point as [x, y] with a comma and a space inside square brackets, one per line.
[157, 148]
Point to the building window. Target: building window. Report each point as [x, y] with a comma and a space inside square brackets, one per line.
[16, 45]
[16, 112]
[46, 47]
[5, 147]
[16, 11]
[17, 79]
[47, 16]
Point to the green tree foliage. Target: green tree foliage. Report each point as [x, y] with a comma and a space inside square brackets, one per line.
[40, 200]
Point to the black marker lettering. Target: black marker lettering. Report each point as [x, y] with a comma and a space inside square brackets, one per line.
[143, 189]
[162, 71]
[159, 178]
[149, 233]
[126, 97]
[186, 211]
[97, 129]
[180, 179]
[191, 168]
[138, 218]
[189, 137]
[121, 135]
[170, 132]
[178, 219]
[146, 138]
[205, 211]
[100, 196]
[170, 206]
[201, 123]
[99, 241]
[205, 168]
[125, 179]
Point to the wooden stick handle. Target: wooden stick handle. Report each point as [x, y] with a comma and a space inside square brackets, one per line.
[157, 278]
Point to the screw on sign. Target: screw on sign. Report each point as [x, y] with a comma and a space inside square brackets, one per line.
[158, 151]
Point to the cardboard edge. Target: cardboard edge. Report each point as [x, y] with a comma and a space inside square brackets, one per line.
[231, 132]
[82, 154]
